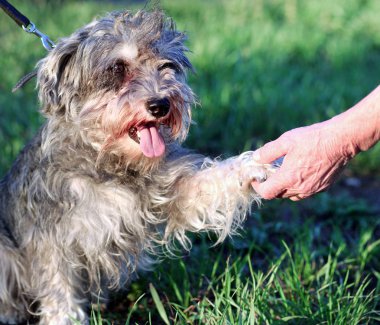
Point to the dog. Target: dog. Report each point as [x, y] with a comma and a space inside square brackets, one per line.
[106, 182]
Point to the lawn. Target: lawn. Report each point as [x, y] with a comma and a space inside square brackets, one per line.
[262, 67]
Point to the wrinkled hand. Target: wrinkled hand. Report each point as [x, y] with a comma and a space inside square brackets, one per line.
[313, 158]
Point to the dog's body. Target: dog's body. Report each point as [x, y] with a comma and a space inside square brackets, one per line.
[106, 181]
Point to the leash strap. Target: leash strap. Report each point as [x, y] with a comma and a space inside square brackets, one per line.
[26, 24]
[12, 12]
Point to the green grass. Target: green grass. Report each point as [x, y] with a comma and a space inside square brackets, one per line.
[318, 271]
[263, 67]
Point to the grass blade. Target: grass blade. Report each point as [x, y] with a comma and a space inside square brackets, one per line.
[158, 303]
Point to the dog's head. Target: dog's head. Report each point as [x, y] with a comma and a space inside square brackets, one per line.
[122, 81]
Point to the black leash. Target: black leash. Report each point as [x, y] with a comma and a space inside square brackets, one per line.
[12, 12]
[26, 24]
[28, 27]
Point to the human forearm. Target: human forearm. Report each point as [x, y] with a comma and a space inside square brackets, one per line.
[315, 155]
[359, 127]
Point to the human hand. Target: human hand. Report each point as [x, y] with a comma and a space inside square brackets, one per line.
[313, 158]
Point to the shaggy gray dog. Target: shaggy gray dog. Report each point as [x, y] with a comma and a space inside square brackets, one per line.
[105, 182]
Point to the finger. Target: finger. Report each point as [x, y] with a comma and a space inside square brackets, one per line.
[272, 188]
[270, 151]
[295, 198]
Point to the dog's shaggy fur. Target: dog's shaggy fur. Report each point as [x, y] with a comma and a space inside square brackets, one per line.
[105, 181]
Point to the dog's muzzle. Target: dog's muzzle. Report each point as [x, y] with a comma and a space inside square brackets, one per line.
[147, 135]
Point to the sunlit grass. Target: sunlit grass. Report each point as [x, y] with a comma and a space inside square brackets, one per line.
[323, 270]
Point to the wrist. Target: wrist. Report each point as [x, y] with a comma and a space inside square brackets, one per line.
[344, 133]
[359, 127]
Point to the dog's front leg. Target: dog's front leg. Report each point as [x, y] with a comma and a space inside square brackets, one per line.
[56, 287]
[215, 196]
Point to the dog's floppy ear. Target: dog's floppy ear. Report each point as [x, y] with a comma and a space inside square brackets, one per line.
[52, 71]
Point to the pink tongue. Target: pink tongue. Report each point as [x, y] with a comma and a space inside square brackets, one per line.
[151, 142]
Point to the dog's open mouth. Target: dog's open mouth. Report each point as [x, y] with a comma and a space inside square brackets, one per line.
[149, 138]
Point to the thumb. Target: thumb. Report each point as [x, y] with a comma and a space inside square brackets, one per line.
[273, 187]
[270, 152]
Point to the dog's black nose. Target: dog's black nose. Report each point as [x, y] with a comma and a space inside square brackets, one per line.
[158, 107]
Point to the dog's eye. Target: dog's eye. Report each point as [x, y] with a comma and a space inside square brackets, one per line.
[114, 75]
[169, 65]
[118, 68]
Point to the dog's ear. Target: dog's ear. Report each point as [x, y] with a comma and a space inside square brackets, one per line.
[52, 74]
